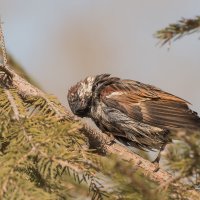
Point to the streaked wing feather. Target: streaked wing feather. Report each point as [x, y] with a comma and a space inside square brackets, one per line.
[169, 114]
[134, 133]
[150, 105]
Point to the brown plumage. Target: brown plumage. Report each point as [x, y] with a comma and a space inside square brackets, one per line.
[149, 105]
[137, 114]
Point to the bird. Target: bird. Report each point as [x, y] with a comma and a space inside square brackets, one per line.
[136, 114]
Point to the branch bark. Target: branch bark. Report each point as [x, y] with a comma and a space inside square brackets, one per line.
[101, 140]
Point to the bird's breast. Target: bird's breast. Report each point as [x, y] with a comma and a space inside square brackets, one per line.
[99, 117]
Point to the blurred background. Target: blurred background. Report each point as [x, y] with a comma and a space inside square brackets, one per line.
[61, 42]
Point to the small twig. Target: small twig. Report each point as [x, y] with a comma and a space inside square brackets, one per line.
[61, 162]
[13, 104]
[3, 47]
[177, 30]
[6, 75]
[5, 183]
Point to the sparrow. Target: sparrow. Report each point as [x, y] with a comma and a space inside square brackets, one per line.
[137, 114]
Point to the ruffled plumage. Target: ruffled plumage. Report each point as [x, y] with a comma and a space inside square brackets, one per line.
[137, 114]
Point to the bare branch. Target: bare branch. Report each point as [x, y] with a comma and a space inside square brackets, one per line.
[3, 47]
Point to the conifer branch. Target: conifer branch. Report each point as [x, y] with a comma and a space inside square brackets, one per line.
[26, 89]
[10, 78]
[102, 139]
[13, 104]
[177, 30]
[6, 181]
[123, 152]
[3, 47]
[98, 139]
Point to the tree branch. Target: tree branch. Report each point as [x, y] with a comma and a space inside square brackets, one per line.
[101, 140]
[97, 138]
[177, 30]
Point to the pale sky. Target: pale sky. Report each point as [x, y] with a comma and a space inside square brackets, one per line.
[61, 42]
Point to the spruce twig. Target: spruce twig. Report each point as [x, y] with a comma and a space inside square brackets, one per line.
[177, 30]
[3, 47]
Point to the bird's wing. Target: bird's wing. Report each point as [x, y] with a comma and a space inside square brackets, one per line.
[150, 105]
[134, 133]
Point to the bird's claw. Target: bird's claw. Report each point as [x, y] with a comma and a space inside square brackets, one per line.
[156, 164]
[157, 167]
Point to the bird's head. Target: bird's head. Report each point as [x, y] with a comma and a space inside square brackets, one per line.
[80, 96]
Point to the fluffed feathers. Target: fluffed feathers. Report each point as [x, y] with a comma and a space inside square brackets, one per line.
[139, 115]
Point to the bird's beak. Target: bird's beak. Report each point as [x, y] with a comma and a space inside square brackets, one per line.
[80, 110]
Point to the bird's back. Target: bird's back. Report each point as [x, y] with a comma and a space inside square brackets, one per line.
[150, 105]
[141, 115]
